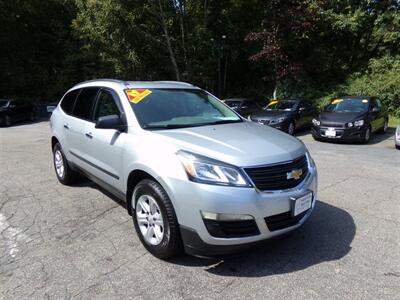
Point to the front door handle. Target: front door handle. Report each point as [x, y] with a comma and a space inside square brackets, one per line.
[89, 135]
[66, 126]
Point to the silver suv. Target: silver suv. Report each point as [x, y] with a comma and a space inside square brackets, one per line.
[193, 173]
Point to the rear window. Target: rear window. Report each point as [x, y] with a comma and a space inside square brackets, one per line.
[84, 103]
[68, 101]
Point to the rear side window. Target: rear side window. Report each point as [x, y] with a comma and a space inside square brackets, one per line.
[68, 101]
[106, 105]
[84, 104]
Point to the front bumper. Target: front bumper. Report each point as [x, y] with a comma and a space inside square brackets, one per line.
[191, 198]
[344, 134]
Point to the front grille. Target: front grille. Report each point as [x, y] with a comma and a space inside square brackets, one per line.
[284, 220]
[231, 229]
[332, 125]
[275, 177]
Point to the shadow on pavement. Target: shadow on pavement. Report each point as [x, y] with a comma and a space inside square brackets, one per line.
[326, 236]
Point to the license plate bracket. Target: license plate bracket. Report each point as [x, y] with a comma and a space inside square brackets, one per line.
[301, 204]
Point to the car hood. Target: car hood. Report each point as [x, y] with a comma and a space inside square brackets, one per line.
[334, 117]
[241, 144]
[270, 114]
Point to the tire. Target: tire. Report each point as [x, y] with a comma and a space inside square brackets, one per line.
[32, 116]
[384, 128]
[7, 121]
[153, 209]
[291, 128]
[397, 147]
[64, 173]
[366, 135]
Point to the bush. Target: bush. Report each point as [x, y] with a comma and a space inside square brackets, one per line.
[382, 79]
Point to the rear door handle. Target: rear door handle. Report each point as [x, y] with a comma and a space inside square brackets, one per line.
[66, 126]
[89, 135]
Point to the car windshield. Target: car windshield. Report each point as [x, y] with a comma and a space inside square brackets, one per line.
[3, 103]
[233, 104]
[344, 105]
[178, 108]
[282, 105]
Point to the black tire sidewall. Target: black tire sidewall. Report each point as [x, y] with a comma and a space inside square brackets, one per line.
[364, 138]
[70, 176]
[167, 247]
[294, 128]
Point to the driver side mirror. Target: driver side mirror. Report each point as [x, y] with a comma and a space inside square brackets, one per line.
[375, 109]
[110, 122]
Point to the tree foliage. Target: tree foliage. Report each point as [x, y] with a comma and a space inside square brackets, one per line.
[310, 48]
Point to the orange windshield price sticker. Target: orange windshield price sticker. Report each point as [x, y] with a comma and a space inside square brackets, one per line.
[136, 96]
[335, 101]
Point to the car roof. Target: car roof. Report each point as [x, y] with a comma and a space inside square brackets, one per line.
[356, 97]
[115, 83]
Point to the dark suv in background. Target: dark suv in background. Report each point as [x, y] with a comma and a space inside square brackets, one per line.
[12, 111]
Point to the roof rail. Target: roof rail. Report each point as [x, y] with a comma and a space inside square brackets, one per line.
[105, 79]
[174, 82]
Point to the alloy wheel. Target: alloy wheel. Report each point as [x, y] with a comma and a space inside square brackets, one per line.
[59, 163]
[150, 219]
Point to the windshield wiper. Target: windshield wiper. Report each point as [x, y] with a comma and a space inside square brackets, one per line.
[174, 126]
[222, 122]
[166, 126]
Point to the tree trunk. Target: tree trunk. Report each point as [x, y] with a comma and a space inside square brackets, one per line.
[205, 13]
[167, 38]
[275, 90]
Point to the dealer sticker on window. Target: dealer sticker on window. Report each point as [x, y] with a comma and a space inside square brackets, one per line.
[135, 96]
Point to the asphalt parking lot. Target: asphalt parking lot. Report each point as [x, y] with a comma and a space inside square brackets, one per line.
[76, 242]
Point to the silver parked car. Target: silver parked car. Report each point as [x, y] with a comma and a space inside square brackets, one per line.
[397, 137]
[194, 174]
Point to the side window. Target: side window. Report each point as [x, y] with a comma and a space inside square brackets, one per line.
[84, 104]
[68, 101]
[106, 105]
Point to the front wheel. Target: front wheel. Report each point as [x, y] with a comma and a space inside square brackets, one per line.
[7, 121]
[291, 128]
[367, 135]
[155, 220]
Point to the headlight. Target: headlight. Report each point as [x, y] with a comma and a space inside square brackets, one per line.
[205, 170]
[316, 122]
[349, 125]
[278, 120]
[359, 123]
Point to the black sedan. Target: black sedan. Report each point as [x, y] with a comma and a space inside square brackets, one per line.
[351, 119]
[14, 111]
[243, 106]
[286, 115]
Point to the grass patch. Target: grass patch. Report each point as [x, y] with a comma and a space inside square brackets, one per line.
[393, 121]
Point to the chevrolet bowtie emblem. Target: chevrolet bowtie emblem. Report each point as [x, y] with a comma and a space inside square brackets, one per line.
[294, 174]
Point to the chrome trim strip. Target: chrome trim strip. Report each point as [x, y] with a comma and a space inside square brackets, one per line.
[94, 166]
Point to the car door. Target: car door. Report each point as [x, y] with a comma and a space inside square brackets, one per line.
[375, 113]
[79, 142]
[305, 113]
[106, 145]
[14, 110]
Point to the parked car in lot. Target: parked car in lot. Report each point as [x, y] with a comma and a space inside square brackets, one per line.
[397, 137]
[192, 172]
[243, 106]
[12, 111]
[286, 115]
[351, 119]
